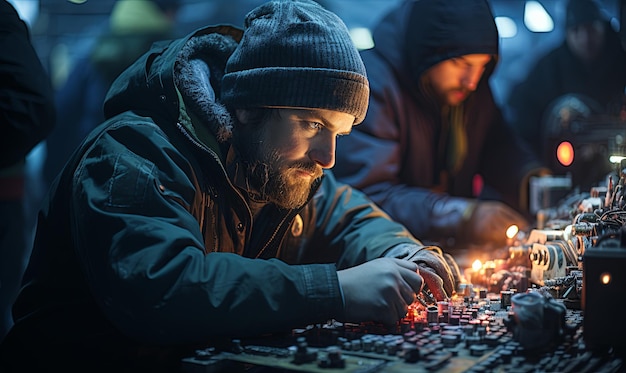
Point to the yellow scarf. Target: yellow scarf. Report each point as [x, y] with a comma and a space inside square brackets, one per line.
[457, 138]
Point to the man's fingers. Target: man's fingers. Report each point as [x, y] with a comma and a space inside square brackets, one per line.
[413, 279]
[435, 284]
[406, 264]
[441, 270]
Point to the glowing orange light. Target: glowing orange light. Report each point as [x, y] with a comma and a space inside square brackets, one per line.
[512, 231]
[565, 153]
[605, 278]
[476, 265]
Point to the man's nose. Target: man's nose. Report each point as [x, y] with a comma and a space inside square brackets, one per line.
[324, 153]
[472, 77]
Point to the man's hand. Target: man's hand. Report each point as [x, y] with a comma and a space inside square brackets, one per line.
[490, 220]
[438, 275]
[379, 290]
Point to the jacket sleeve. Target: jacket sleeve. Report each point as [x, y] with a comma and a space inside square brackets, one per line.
[350, 228]
[348, 220]
[142, 251]
[26, 97]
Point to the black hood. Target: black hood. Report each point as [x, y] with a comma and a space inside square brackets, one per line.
[419, 34]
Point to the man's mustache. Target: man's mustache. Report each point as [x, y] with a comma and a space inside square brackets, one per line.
[311, 168]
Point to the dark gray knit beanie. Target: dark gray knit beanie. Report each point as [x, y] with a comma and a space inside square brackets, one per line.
[294, 53]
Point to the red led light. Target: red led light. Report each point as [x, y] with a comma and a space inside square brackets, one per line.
[565, 153]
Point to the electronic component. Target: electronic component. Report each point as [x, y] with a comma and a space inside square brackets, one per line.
[604, 281]
[550, 260]
[538, 319]
[470, 335]
[523, 313]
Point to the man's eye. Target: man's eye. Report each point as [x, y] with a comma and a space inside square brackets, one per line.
[315, 125]
[460, 62]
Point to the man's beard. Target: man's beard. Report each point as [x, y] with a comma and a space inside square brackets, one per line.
[454, 100]
[281, 184]
[442, 98]
[272, 177]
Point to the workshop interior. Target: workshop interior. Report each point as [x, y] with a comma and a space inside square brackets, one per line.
[548, 301]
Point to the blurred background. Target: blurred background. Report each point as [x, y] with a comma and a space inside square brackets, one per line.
[65, 34]
[64, 29]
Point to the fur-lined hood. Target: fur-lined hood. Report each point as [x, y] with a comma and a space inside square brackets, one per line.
[179, 74]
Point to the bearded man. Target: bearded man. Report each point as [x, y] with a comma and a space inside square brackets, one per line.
[204, 209]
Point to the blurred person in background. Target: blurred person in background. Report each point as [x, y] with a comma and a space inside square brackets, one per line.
[27, 111]
[434, 151]
[133, 26]
[589, 65]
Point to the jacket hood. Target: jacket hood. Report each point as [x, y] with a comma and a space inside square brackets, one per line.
[179, 79]
[421, 33]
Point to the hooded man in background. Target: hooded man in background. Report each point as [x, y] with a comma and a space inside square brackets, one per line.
[434, 151]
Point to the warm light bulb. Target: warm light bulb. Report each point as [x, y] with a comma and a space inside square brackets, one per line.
[476, 265]
[565, 153]
[512, 231]
[605, 278]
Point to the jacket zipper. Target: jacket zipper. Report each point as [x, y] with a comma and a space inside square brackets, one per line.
[211, 153]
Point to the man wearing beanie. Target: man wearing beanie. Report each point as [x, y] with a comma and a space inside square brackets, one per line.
[203, 209]
[587, 69]
[434, 151]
